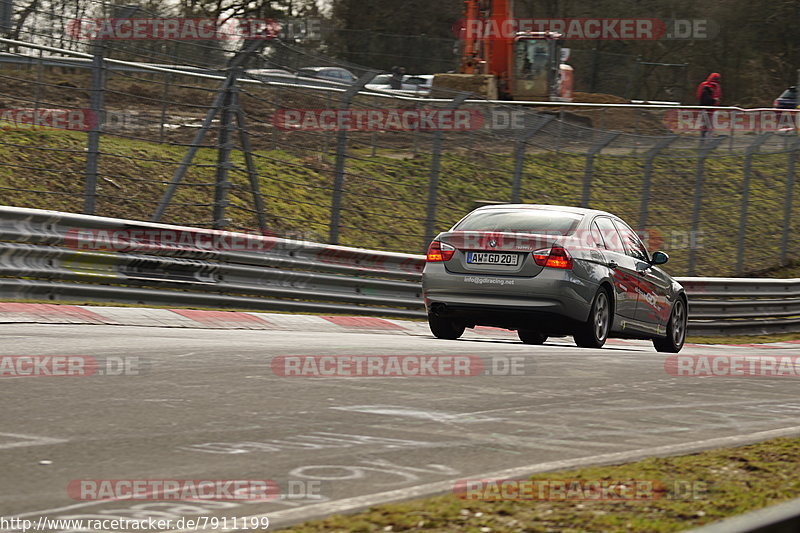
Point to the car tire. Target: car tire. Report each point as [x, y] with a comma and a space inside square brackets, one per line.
[445, 328]
[676, 329]
[531, 336]
[594, 332]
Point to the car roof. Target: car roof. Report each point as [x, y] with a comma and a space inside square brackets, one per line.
[547, 207]
[316, 69]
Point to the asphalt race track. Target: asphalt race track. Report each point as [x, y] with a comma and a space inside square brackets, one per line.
[206, 404]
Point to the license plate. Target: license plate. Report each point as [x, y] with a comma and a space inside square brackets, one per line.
[488, 258]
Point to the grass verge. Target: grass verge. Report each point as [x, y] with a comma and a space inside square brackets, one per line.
[724, 483]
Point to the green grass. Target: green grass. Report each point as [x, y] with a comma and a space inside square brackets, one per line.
[385, 195]
[726, 482]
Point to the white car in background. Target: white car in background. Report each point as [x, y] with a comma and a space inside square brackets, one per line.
[419, 84]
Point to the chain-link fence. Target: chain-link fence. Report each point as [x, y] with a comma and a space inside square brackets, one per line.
[87, 133]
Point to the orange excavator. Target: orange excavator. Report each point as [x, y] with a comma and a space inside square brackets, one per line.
[499, 62]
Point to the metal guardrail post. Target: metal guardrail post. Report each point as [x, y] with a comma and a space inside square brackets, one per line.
[341, 157]
[519, 155]
[650, 156]
[607, 139]
[433, 183]
[706, 146]
[748, 164]
[93, 141]
[787, 206]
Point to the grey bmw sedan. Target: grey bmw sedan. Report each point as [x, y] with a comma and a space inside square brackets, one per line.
[546, 271]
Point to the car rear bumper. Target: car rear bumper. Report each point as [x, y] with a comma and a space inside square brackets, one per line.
[552, 298]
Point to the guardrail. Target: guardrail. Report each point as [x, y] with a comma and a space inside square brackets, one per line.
[62, 256]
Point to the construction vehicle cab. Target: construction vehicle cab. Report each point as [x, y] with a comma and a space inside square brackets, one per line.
[500, 62]
[537, 71]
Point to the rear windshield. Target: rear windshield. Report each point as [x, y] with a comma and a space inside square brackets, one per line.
[521, 220]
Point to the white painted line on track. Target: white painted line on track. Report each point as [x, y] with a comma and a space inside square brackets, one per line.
[288, 517]
[27, 440]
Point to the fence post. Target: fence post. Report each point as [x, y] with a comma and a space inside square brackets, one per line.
[276, 131]
[164, 97]
[222, 98]
[6, 12]
[519, 154]
[224, 147]
[39, 80]
[252, 172]
[606, 139]
[341, 156]
[787, 206]
[748, 163]
[196, 144]
[433, 183]
[650, 155]
[706, 146]
[93, 141]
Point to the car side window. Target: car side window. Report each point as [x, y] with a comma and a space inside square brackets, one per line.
[611, 238]
[633, 245]
[597, 236]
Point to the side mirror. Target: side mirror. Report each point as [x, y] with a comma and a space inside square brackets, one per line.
[659, 258]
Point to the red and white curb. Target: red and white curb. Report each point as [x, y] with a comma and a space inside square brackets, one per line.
[21, 313]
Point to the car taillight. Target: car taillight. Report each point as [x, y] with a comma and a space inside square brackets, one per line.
[439, 251]
[775, 104]
[555, 257]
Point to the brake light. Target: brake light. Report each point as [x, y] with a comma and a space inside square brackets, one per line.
[555, 257]
[439, 251]
[775, 103]
[540, 257]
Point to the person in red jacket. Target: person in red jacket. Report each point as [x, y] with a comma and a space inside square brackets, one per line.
[709, 94]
